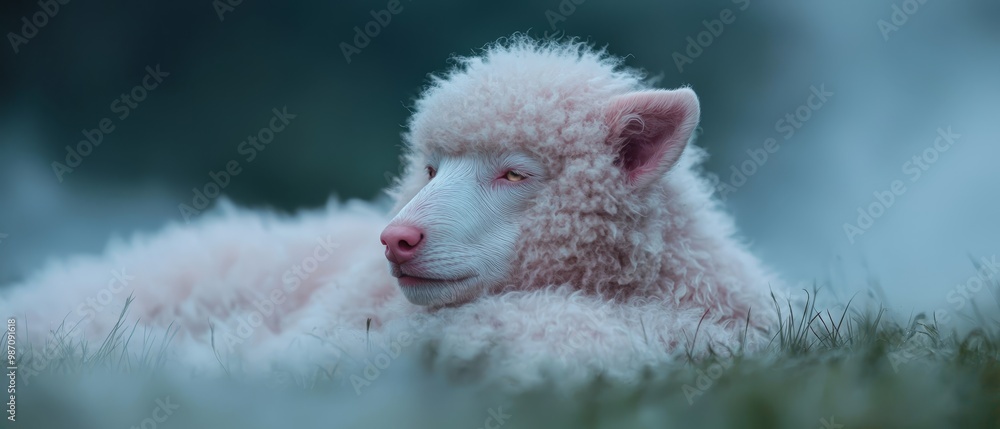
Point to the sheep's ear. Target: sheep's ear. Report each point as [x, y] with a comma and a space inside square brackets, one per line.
[649, 130]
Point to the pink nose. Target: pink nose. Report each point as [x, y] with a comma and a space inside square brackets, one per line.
[401, 242]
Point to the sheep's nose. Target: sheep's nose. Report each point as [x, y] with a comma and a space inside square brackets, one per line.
[401, 242]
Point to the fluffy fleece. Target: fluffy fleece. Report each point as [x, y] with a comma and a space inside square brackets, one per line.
[608, 277]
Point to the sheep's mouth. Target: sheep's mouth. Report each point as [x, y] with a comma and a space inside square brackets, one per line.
[414, 281]
[420, 287]
[410, 280]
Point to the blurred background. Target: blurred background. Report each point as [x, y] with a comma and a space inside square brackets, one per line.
[892, 73]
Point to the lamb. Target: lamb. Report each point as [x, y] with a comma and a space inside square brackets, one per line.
[551, 214]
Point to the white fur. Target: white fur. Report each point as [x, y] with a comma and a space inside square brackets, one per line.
[471, 215]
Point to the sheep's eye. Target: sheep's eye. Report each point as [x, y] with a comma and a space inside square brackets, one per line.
[431, 172]
[514, 176]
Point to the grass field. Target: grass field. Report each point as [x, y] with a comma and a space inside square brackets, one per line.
[826, 369]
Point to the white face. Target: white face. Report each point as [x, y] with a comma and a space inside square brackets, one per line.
[457, 236]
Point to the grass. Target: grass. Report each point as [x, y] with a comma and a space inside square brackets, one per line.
[849, 368]
[65, 352]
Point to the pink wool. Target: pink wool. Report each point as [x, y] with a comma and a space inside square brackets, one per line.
[589, 229]
[615, 267]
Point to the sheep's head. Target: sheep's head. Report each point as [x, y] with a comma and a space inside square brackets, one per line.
[523, 170]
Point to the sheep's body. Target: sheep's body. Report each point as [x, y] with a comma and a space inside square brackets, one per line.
[585, 294]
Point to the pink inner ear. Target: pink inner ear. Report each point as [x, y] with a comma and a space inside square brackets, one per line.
[641, 149]
[650, 130]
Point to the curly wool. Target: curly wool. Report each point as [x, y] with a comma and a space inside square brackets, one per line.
[588, 228]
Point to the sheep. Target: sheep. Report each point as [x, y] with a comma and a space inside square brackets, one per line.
[551, 214]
